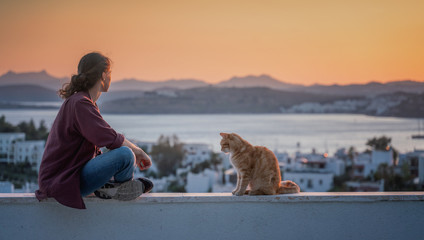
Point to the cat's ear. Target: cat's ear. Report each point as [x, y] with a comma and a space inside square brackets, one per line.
[224, 135]
[234, 136]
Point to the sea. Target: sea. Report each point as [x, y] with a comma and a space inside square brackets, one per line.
[325, 133]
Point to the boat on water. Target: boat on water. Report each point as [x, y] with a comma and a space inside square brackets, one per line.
[418, 136]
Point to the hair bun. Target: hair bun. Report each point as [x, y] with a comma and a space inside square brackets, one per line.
[90, 70]
[81, 76]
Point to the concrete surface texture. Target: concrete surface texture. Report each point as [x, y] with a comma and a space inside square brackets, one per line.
[380, 215]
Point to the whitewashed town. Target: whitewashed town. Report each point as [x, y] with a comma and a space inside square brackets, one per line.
[200, 169]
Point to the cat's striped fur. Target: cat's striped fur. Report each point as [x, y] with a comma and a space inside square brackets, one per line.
[256, 167]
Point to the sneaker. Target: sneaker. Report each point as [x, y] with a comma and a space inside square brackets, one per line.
[148, 185]
[126, 191]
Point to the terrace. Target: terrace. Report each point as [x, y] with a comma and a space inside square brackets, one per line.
[376, 215]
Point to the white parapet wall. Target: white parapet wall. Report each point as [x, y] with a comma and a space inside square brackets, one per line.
[388, 215]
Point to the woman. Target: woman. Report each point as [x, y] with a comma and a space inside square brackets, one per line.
[72, 166]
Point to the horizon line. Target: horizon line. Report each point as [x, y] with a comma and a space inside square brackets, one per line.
[215, 83]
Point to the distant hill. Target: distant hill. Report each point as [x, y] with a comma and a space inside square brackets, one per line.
[400, 104]
[175, 96]
[132, 84]
[214, 100]
[411, 106]
[265, 100]
[32, 78]
[27, 93]
[258, 81]
[369, 89]
[114, 95]
[133, 88]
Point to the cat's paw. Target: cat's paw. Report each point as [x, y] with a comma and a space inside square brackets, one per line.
[239, 193]
[234, 192]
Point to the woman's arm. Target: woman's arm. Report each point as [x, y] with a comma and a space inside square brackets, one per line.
[142, 160]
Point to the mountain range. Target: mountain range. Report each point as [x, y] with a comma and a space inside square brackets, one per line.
[249, 94]
[44, 79]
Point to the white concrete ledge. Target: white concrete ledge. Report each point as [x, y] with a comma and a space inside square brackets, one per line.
[228, 197]
[212, 216]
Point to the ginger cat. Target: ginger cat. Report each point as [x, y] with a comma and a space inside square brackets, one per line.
[256, 166]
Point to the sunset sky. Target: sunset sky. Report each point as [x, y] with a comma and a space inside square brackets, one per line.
[303, 42]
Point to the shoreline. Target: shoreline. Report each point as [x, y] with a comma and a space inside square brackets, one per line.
[32, 107]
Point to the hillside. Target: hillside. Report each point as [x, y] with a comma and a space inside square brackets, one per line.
[42, 79]
[132, 84]
[27, 93]
[258, 81]
[369, 89]
[265, 100]
[213, 100]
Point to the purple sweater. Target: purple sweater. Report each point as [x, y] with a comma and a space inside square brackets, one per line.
[75, 137]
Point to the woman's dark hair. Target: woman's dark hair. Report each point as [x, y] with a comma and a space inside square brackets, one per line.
[90, 70]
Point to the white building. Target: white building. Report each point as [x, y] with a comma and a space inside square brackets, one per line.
[202, 182]
[367, 164]
[14, 149]
[284, 160]
[7, 187]
[317, 163]
[382, 157]
[355, 186]
[415, 162]
[359, 163]
[310, 181]
[7, 141]
[336, 166]
[167, 92]
[29, 151]
[195, 153]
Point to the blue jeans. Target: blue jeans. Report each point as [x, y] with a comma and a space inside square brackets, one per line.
[118, 163]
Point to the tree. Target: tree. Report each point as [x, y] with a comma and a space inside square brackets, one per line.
[174, 186]
[215, 160]
[29, 129]
[5, 126]
[394, 181]
[43, 132]
[200, 167]
[167, 155]
[381, 144]
[351, 153]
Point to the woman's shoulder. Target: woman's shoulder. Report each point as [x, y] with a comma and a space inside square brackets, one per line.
[80, 97]
[79, 101]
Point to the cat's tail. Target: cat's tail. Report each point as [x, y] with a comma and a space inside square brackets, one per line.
[288, 187]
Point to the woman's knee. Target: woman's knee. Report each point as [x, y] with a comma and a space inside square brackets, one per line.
[126, 155]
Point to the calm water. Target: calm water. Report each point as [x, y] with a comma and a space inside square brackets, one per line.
[324, 132]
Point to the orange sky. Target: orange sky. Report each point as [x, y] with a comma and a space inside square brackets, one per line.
[304, 42]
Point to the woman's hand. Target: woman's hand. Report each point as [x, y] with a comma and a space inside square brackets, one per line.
[142, 160]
